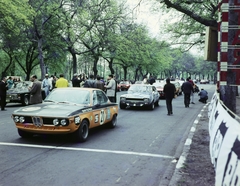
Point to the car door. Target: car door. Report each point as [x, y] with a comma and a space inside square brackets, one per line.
[101, 110]
[155, 93]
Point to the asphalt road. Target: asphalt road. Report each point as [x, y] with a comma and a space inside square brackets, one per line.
[142, 150]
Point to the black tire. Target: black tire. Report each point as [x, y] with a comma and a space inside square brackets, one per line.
[113, 122]
[25, 100]
[152, 106]
[81, 134]
[122, 106]
[157, 103]
[24, 134]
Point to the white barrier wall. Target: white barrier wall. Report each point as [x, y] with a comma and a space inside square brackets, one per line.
[224, 146]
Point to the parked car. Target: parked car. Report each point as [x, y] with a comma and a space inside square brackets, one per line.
[138, 82]
[159, 87]
[19, 93]
[67, 111]
[140, 95]
[178, 87]
[204, 81]
[124, 85]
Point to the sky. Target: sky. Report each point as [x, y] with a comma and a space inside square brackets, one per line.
[154, 20]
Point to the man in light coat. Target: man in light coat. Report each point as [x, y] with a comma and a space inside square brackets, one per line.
[111, 88]
[47, 85]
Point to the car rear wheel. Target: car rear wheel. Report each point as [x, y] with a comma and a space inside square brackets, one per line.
[82, 133]
[24, 134]
[113, 122]
[122, 106]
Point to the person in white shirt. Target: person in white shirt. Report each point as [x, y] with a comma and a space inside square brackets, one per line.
[111, 88]
[47, 85]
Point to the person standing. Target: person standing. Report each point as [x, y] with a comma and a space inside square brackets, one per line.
[3, 93]
[203, 96]
[187, 89]
[192, 93]
[76, 81]
[169, 90]
[10, 82]
[99, 83]
[152, 80]
[35, 91]
[47, 85]
[90, 82]
[111, 88]
[61, 82]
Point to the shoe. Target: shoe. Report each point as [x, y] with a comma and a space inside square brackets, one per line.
[171, 113]
[4, 110]
[192, 102]
[168, 114]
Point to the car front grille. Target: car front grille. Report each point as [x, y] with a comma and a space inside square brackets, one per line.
[134, 99]
[36, 120]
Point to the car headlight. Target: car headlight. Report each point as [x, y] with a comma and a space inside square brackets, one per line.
[122, 98]
[16, 119]
[21, 119]
[64, 122]
[146, 100]
[56, 122]
[77, 120]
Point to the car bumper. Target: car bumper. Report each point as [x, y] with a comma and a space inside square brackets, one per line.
[135, 104]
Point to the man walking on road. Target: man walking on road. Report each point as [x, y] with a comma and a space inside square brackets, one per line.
[169, 91]
[187, 89]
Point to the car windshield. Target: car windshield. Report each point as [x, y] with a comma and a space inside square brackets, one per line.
[141, 89]
[69, 96]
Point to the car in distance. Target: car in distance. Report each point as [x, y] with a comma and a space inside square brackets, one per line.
[159, 86]
[178, 87]
[19, 93]
[140, 95]
[124, 85]
[67, 111]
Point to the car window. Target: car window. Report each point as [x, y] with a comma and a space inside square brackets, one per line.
[99, 97]
[69, 95]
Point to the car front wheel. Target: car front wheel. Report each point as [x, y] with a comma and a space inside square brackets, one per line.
[122, 106]
[25, 100]
[24, 134]
[82, 133]
[152, 106]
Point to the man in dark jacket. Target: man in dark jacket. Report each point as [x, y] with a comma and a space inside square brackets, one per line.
[187, 89]
[90, 83]
[169, 91]
[35, 91]
[3, 93]
[75, 81]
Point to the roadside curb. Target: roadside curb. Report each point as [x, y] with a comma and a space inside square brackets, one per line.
[177, 173]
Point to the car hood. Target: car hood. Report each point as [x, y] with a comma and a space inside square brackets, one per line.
[136, 95]
[52, 110]
[17, 91]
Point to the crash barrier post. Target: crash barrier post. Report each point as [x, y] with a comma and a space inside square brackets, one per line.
[224, 131]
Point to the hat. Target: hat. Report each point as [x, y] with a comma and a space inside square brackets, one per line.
[46, 74]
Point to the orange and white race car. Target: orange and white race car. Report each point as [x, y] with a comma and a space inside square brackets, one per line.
[67, 110]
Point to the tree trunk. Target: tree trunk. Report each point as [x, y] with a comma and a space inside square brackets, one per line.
[41, 60]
